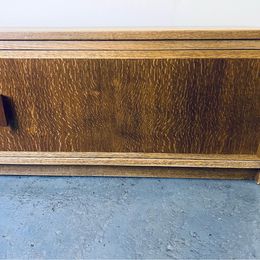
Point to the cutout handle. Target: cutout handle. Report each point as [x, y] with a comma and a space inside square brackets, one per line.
[3, 119]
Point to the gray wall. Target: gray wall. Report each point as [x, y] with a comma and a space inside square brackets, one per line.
[129, 13]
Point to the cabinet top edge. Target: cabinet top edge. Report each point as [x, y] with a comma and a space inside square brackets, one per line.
[129, 34]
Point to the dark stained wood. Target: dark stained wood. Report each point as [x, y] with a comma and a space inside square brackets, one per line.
[206, 106]
[3, 121]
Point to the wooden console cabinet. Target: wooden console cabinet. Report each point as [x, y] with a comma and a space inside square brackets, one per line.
[169, 103]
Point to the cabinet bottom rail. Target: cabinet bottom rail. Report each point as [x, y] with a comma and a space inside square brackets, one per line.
[132, 171]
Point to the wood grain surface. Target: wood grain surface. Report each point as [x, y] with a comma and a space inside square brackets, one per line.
[130, 55]
[131, 155]
[127, 34]
[208, 106]
[131, 159]
[132, 45]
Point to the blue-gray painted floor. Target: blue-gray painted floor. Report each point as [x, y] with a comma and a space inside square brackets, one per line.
[88, 217]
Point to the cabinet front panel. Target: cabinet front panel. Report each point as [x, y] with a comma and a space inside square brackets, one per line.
[119, 105]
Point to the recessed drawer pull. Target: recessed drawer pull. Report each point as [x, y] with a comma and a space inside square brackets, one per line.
[3, 119]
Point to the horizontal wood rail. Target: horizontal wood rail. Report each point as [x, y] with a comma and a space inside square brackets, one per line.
[123, 171]
[127, 34]
[130, 159]
[132, 45]
[131, 55]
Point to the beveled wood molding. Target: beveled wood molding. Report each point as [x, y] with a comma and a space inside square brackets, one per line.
[127, 34]
[131, 55]
[130, 159]
[123, 171]
[132, 45]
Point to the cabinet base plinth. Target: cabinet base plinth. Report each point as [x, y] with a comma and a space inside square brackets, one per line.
[132, 171]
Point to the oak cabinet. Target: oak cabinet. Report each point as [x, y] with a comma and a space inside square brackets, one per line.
[155, 102]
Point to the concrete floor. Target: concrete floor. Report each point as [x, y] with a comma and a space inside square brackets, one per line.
[88, 217]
